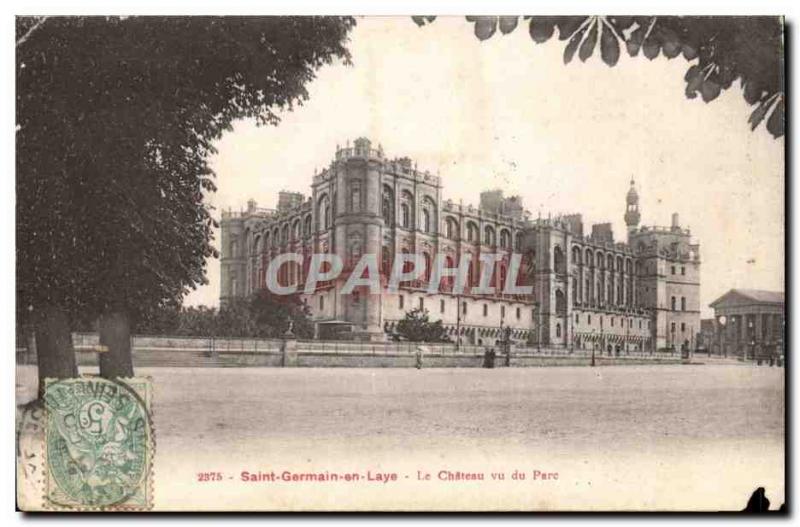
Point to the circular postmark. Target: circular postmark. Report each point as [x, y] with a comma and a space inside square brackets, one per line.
[97, 440]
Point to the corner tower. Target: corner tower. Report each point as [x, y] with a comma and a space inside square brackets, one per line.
[632, 215]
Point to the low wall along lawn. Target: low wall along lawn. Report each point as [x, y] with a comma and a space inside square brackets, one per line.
[167, 351]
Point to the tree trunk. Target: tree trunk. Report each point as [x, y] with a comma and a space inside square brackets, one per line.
[55, 356]
[115, 333]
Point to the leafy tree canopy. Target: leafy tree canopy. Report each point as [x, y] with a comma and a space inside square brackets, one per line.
[115, 119]
[416, 326]
[272, 313]
[721, 50]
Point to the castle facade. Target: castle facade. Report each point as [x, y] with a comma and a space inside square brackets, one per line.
[589, 290]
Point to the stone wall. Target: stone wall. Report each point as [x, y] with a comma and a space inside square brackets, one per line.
[204, 352]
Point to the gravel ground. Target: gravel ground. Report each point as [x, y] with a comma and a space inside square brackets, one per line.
[621, 437]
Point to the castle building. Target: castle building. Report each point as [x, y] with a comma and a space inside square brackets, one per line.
[589, 291]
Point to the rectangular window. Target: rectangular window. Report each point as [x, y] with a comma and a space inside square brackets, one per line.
[464, 308]
[590, 319]
[485, 310]
[683, 303]
[441, 306]
[321, 303]
[519, 313]
[422, 303]
[577, 318]
[612, 322]
[402, 301]
[672, 327]
[673, 269]
[502, 311]
[683, 270]
[683, 327]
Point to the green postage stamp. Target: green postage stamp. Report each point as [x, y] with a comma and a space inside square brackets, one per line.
[99, 444]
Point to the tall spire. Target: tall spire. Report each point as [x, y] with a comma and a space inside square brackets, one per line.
[632, 215]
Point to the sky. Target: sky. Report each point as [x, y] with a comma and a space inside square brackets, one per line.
[507, 113]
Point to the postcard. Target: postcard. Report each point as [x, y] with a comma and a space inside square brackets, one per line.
[400, 263]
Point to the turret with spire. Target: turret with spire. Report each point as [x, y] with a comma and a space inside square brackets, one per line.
[632, 215]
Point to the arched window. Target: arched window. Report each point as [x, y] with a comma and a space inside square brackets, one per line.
[558, 330]
[610, 262]
[589, 258]
[324, 212]
[448, 281]
[575, 295]
[561, 303]
[472, 232]
[558, 260]
[234, 249]
[588, 290]
[285, 234]
[451, 228]
[576, 255]
[426, 220]
[503, 273]
[407, 264]
[387, 206]
[427, 259]
[505, 239]
[266, 243]
[471, 275]
[600, 261]
[406, 208]
[428, 214]
[488, 235]
[307, 226]
[296, 230]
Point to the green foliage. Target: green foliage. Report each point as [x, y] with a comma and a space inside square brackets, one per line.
[272, 313]
[116, 118]
[721, 49]
[417, 327]
[263, 315]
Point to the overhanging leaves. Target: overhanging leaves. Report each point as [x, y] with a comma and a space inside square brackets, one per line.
[726, 49]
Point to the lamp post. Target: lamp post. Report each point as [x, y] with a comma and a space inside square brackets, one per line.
[572, 339]
[602, 340]
[458, 321]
